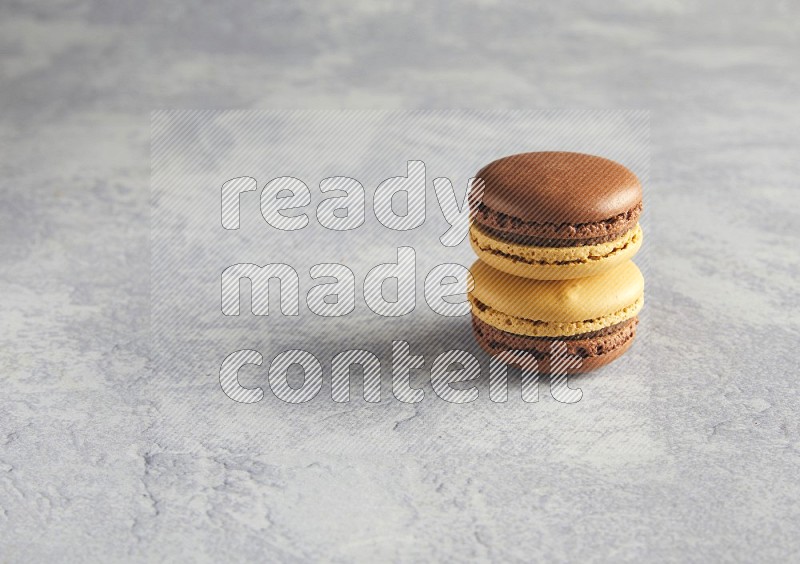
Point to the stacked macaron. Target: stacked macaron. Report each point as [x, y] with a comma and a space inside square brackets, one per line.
[555, 233]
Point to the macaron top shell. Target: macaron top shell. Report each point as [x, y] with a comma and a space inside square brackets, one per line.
[559, 187]
[572, 300]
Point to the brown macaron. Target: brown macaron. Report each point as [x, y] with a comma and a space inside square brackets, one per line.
[556, 215]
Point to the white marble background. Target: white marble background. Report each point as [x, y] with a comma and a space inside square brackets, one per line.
[695, 461]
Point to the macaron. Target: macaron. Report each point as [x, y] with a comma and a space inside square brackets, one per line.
[556, 215]
[595, 317]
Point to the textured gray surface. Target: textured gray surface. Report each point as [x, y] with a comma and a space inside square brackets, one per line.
[695, 460]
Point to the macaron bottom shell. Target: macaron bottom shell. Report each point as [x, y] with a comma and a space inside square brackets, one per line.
[554, 263]
[594, 349]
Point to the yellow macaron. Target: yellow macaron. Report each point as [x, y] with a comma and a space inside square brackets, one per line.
[594, 316]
